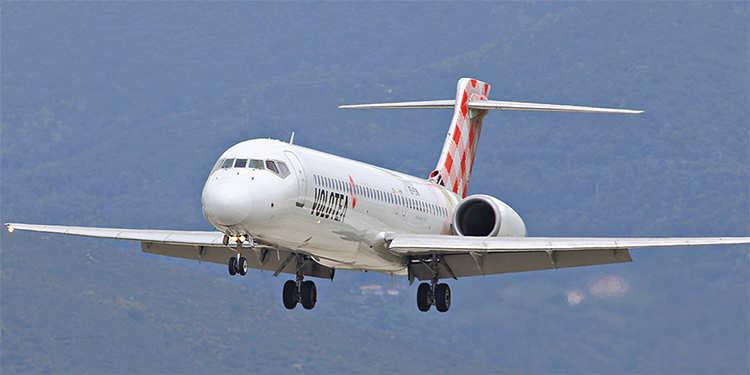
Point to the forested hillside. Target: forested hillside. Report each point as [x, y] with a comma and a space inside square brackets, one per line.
[113, 114]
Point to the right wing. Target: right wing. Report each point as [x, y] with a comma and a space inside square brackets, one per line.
[416, 243]
[205, 246]
[471, 256]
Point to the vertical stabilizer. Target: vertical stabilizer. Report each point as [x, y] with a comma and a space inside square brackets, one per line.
[453, 169]
[456, 161]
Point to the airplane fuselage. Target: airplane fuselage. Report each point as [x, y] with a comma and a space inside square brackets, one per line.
[340, 208]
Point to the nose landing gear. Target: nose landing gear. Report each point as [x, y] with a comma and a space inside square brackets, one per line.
[299, 291]
[236, 264]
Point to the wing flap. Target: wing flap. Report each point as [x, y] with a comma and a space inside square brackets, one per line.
[464, 265]
[262, 259]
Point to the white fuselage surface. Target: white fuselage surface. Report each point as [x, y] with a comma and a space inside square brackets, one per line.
[337, 208]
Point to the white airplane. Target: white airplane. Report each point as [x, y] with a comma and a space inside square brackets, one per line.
[289, 209]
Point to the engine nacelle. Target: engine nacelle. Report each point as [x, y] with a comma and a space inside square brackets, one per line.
[485, 216]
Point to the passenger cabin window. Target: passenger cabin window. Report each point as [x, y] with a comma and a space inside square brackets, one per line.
[227, 163]
[240, 163]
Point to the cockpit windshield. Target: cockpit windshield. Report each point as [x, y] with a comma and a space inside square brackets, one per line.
[276, 167]
[257, 164]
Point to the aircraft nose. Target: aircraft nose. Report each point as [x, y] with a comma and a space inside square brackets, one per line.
[226, 202]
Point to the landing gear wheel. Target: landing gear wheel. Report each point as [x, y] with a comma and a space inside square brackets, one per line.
[424, 293]
[289, 295]
[232, 266]
[442, 297]
[242, 266]
[309, 294]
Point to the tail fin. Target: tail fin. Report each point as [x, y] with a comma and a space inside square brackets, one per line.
[453, 169]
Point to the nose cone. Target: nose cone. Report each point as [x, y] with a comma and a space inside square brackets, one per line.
[226, 202]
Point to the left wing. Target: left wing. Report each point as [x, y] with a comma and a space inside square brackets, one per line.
[471, 256]
[204, 246]
[174, 237]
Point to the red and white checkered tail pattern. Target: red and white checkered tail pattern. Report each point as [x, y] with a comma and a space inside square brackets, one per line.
[453, 170]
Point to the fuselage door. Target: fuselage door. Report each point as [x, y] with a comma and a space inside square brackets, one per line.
[299, 174]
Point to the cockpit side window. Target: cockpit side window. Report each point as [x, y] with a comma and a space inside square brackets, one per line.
[283, 170]
[271, 166]
[227, 163]
[217, 165]
[277, 167]
[240, 163]
[257, 164]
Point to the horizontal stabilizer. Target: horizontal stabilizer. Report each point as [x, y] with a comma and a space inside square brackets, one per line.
[492, 104]
[404, 105]
[522, 106]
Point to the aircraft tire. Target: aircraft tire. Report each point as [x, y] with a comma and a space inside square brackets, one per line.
[309, 294]
[242, 266]
[289, 294]
[442, 297]
[232, 263]
[423, 297]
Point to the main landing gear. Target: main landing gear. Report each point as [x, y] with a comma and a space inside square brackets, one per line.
[438, 294]
[435, 292]
[299, 291]
[295, 292]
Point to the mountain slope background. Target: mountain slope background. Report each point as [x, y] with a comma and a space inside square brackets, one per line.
[113, 114]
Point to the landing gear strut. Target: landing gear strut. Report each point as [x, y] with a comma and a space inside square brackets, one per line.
[433, 293]
[298, 290]
[237, 264]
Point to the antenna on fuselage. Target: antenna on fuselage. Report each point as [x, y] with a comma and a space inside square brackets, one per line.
[291, 139]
